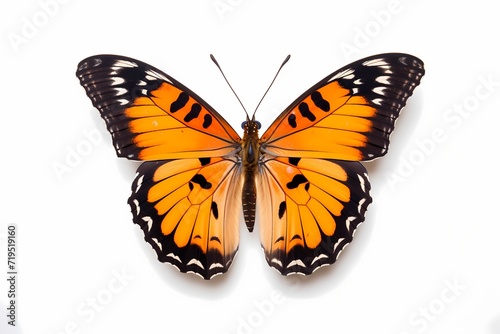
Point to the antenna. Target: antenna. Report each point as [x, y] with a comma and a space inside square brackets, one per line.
[265, 93]
[279, 69]
[220, 69]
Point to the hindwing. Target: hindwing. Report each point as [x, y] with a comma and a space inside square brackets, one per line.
[187, 211]
[309, 210]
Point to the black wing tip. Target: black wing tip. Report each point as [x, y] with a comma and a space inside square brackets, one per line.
[92, 62]
[409, 63]
[401, 56]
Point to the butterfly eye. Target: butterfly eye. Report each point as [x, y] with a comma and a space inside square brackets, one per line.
[243, 124]
[258, 124]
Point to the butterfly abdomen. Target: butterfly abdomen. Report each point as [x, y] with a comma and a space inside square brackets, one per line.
[249, 197]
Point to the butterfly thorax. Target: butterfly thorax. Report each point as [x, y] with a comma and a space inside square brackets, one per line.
[250, 157]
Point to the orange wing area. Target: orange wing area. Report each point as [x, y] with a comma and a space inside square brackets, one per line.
[348, 115]
[308, 210]
[188, 212]
[150, 115]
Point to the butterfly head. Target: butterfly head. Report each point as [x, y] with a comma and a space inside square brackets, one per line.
[251, 126]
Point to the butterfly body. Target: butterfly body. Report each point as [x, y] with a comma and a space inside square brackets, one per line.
[301, 181]
[250, 158]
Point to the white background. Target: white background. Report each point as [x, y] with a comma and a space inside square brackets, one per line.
[425, 260]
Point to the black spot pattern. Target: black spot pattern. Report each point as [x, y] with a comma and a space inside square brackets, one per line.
[200, 179]
[214, 238]
[215, 210]
[282, 209]
[292, 120]
[294, 161]
[193, 113]
[207, 121]
[320, 102]
[304, 111]
[204, 161]
[296, 181]
[180, 102]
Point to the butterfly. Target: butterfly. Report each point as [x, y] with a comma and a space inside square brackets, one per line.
[302, 180]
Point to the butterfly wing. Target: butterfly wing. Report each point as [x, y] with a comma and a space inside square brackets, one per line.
[312, 208]
[152, 116]
[313, 192]
[348, 115]
[187, 211]
[180, 196]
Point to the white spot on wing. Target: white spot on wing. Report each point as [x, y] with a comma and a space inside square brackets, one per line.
[137, 207]
[215, 265]
[362, 183]
[338, 243]
[153, 75]
[157, 243]
[363, 200]
[139, 183]
[195, 261]
[117, 81]
[296, 263]
[197, 274]
[120, 91]
[125, 63]
[379, 90]
[173, 256]
[376, 62]
[122, 101]
[348, 222]
[319, 257]
[278, 262]
[347, 74]
[148, 221]
[383, 79]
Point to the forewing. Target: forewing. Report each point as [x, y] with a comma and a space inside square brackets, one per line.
[150, 115]
[348, 115]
